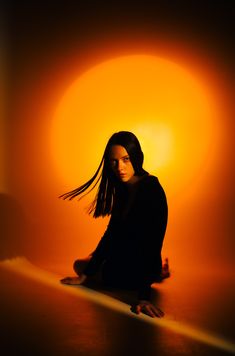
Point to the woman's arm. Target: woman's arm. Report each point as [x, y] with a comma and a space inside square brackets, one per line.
[153, 211]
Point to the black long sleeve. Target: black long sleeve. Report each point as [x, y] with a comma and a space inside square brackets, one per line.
[131, 246]
[151, 225]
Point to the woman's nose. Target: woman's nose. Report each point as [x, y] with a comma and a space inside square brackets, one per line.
[120, 166]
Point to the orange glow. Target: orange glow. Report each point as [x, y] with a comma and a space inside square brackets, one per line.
[179, 109]
[165, 105]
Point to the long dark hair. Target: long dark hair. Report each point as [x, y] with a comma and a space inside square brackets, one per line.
[103, 202]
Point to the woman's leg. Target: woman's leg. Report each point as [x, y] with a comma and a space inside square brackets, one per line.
[80, 264]
[91, 281]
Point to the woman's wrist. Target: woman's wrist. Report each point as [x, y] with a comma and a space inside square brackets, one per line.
[143, 301]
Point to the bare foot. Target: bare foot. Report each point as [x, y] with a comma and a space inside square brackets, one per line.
[73, 280]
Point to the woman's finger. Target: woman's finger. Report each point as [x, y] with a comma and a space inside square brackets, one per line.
[161, 312]
[136, 309]
[147, 310]
[157, 312]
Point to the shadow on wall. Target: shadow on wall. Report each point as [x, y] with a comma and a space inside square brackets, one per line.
[14, 228]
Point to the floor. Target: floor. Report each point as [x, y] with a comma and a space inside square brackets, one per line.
[39, 316]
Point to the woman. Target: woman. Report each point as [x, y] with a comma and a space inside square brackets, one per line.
[129, 253]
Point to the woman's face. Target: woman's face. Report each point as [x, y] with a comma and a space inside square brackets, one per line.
[121, 164]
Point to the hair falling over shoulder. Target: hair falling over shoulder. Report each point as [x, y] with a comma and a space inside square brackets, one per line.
[103, 202]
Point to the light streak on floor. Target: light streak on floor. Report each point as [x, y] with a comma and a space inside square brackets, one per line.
[22, 266]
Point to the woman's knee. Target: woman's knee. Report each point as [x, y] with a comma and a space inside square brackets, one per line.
[80, 264]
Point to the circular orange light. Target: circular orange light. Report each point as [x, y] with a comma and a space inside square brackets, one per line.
[164, 104]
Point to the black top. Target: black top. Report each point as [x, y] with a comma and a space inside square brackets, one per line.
[130, 249]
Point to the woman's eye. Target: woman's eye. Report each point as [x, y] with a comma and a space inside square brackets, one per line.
[126, 159]
[113, 163]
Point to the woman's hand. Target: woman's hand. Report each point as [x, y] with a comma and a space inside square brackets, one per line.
[74, 280]
[147, 308]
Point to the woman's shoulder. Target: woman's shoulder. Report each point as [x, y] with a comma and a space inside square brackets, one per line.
[149, 180]
[150, 184]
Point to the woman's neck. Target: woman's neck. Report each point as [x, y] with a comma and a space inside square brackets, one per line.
[132, 183]
[133, 180]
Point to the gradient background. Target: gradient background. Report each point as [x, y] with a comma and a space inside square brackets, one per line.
[48, 47]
